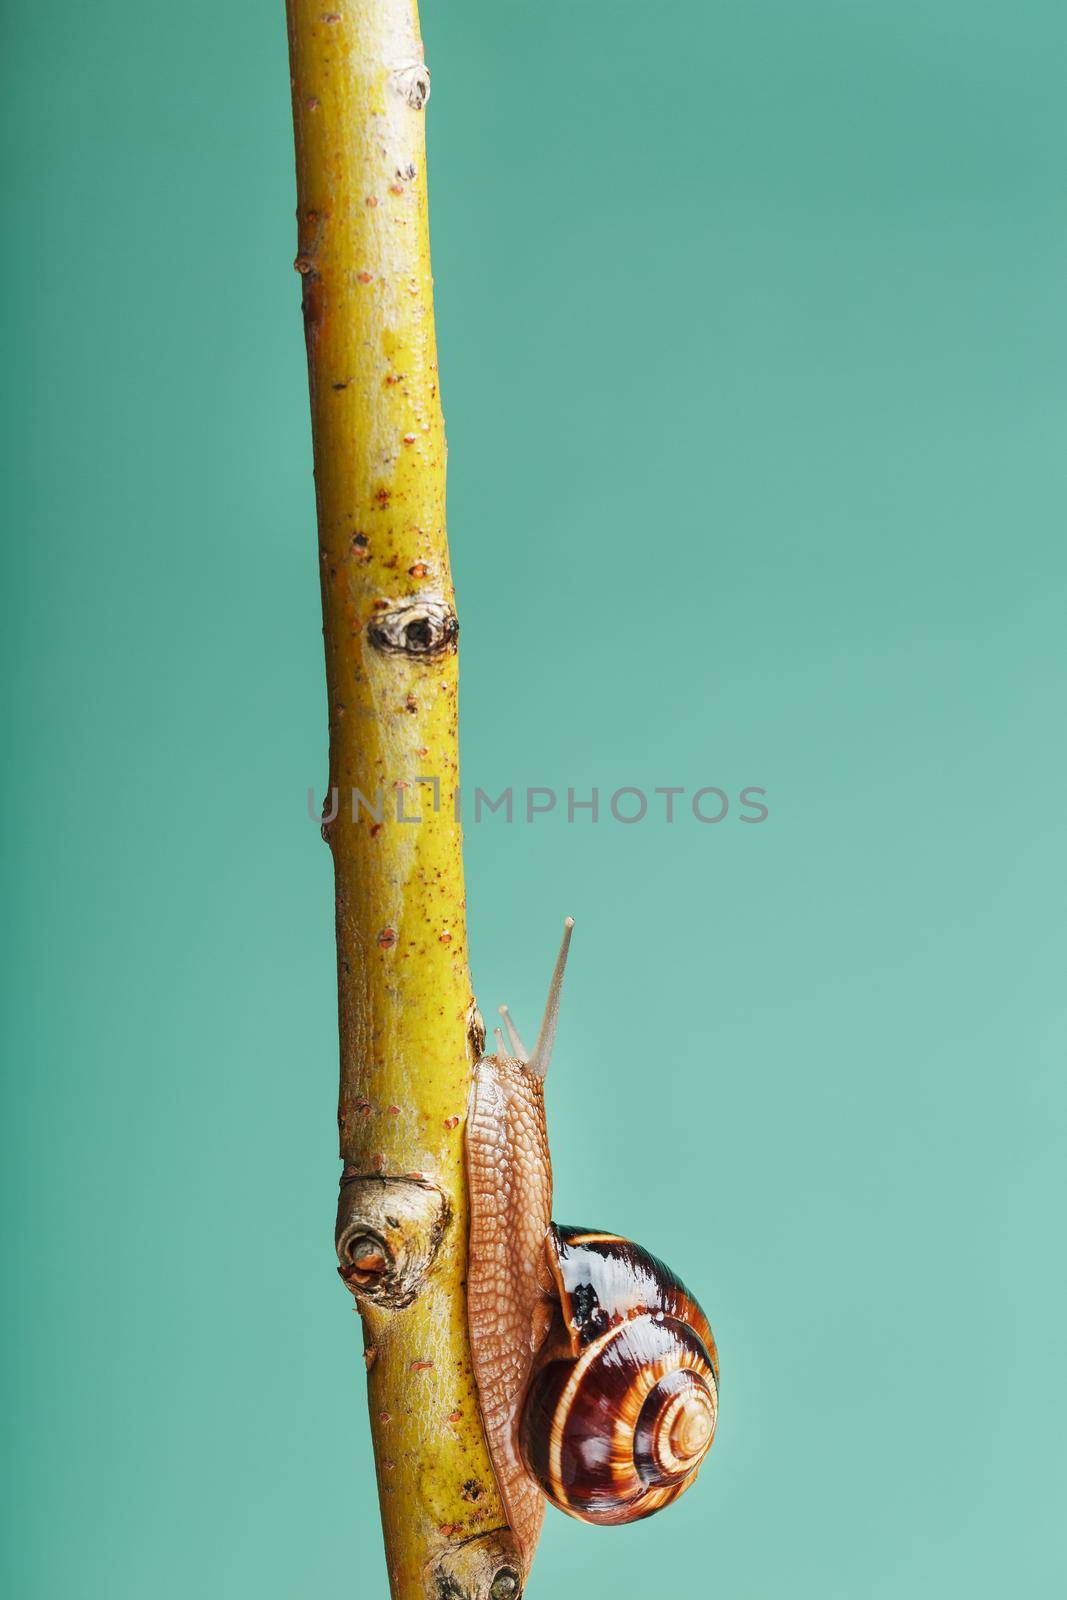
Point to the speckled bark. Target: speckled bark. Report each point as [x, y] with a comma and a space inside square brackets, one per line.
[408, 1031]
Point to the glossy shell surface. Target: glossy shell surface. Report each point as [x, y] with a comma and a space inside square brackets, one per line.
[621, 1411]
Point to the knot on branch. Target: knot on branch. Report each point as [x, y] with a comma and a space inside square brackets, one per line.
[475, 1032]
[484, 1568]
[388, 1233]
[419, 625]
[411, 80]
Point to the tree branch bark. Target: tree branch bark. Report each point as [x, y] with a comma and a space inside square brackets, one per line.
[409, 1029]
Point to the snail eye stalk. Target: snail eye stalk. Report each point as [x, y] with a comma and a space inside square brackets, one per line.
[542, 1050]
[518, 1049]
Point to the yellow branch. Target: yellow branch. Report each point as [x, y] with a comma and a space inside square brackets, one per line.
[409, 1030]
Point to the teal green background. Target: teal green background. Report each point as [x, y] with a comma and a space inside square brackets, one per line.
[754, 354]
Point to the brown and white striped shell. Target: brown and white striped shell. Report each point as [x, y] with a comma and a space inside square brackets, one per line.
[622, 1407]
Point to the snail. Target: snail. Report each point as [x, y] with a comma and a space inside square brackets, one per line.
[596, 1369]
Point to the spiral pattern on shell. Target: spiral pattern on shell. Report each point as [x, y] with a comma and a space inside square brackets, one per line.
[622, 1409]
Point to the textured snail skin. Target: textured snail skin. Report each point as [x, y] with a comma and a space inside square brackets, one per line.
[509, 1286]
[622, 1408]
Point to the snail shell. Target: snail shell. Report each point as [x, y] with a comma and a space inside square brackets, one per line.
[622, 1406]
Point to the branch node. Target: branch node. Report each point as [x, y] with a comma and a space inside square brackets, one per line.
[475, 1032]
[487, 1567]
[388, 1233]
[411, 80]
[418, 625]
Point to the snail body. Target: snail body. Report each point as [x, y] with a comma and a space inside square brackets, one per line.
[596, 1368]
